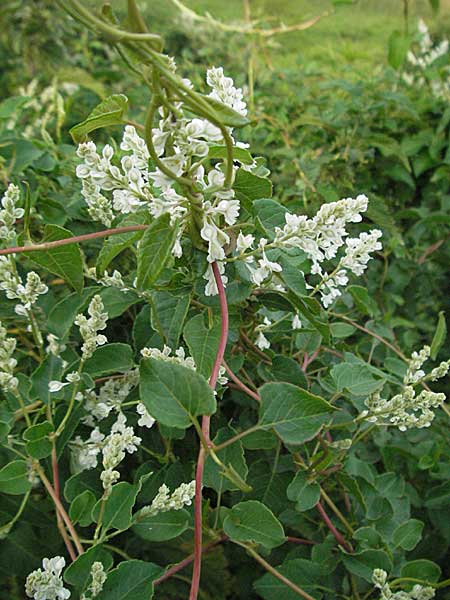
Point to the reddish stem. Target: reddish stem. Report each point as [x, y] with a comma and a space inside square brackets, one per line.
[241, 384]
[187, 561]
[71, 240]
[308, 360]
[61, 527]
[326, 519]
[195, 584]
[296, 540]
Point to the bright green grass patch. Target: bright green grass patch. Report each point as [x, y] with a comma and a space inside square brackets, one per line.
[354, 35]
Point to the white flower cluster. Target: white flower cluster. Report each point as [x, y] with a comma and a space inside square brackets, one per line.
[9, 213]
[109, 397]
[89, 327]
[107, 280]
[181, 144]
[320, 238]
[54, 347]
[98, 576]
[113, 448]
[47, 584]
[165, 501]
[400, 410]
[14, 288]
[8, 383]
[45, 108]
[119, 441]
[424, 65]
[418, 592]
[179, 358]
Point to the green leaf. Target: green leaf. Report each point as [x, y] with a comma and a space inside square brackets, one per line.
[81, 508]
[63, 313]
[363, 563]
[49, 370]
[355, 378]
[203, 343]
[398, 48]
[288, 370]
[118, 506]
[251, 187]
[351, 485]
[423, 569]
[232, 455]
[270, 214]
[251, 521]
[115, 244]
[162, 527]
[304, 493]
[439, 335]
[224, 114]
[78, 573]
[131, 580]
[111, 358]
[369, 537]
[168, 315]
[239, 154]
[110, 111]
[9, 106]
[342, 330]
[14, 478]
[154, 251]
[37, 437]
[64, 261]
[173, 394]
[408, 534]
[363, 300]
[306, 574]
[78, 483]
[295, 414]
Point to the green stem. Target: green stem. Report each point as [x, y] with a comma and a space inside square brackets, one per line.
[100, 518]
[268, 567]
[236, 438]
[7, 527]
[71, 402]
[336, 511]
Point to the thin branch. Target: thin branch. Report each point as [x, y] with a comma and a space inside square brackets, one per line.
[248, 29]
[61, 509]
[268, 567]
[296, 540]
[188, 560]
[373, 334]
[240, 384]
[71, 240]
[56, 486]
[338, 536]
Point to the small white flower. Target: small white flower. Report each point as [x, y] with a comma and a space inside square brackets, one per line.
[296, 322]
[244, 242]
[56, 386]
[145, 420]
[262, 342]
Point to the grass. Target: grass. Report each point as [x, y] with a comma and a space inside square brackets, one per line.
[351, 36]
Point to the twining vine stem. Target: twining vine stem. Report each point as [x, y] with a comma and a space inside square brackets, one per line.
[205, 430]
